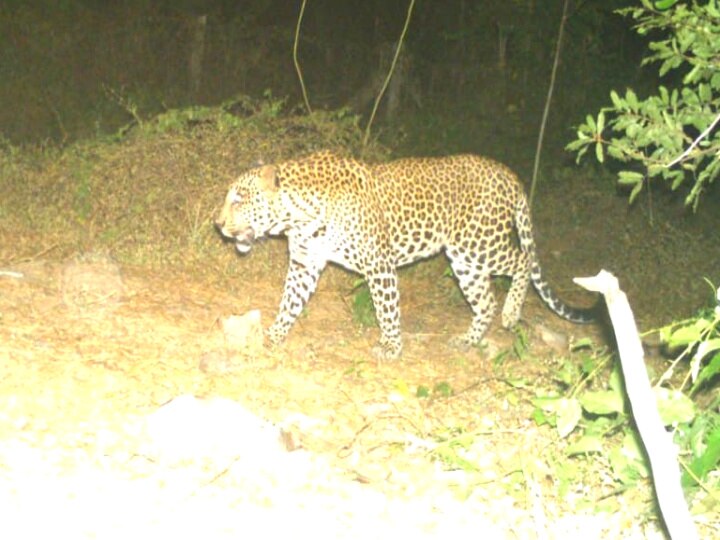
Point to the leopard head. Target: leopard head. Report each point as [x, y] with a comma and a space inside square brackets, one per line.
[249, 209]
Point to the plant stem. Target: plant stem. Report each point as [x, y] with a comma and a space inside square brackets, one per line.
[295, 57]
[546, 111]
[390, 72]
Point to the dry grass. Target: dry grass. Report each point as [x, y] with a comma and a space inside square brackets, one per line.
[150, 197]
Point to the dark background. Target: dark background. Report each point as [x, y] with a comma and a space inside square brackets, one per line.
[74, 68]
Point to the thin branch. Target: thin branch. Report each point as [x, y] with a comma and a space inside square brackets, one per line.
[546, 111]
[295, 57]
[694, 143]
[390, 73]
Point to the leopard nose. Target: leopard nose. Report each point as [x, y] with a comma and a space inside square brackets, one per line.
[219, 224]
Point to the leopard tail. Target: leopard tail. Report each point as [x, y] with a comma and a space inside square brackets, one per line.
[524, 228]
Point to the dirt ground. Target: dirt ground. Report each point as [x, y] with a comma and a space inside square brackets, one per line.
[100, 438]
[124, 411]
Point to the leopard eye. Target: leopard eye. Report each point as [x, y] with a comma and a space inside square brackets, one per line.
[236, 199]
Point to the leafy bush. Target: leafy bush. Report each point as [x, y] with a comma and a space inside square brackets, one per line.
[597, 421]
[698, 339]
[669, 135]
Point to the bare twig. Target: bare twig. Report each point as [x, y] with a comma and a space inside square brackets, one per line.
[390, 73]
[124, 102]
[546, 111]
[694, 143]
[295, 57]
[33, 257]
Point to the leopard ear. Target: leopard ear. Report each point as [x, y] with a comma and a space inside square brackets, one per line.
[269, 180]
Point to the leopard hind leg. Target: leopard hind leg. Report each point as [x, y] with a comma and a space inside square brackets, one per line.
[474, 281]
[517, 266]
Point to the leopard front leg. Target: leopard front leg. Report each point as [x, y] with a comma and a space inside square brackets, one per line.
[300, 283]
[383, 285]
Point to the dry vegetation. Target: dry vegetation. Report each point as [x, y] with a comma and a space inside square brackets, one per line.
[114, 284]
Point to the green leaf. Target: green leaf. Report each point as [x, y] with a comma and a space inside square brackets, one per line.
[588, 444]
[615, 151]
[712, 9]
[707, 461]
[709, 371]
[678, 178]
[588, 364]
[590, 121]
[687, 334]
[631, 99]
[615, 382]
[563, 413]
[629, 178]
[674, 406]
[618, 103]
[689, 96]
[582, 343]
[627, 461]
[715, 81]
[602, 402]
[443, 388]
[665, 4]
[635, 192]
[516, 382]
[539, 416]
[599, 152]
[600, 122]
[692, 76]
[581, 153]
[568, 416]
[707, 347]
[669, 120]
[705, 92]
[574, 146]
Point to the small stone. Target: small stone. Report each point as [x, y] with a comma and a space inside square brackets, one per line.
[551, 338]
[243, 333]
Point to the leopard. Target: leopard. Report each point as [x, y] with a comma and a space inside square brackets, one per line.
[373, 218]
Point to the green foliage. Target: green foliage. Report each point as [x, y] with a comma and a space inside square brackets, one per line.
[594, 418]
[362, 305]
[439, 390]
[668, 136]
[231, 115]
[521, 343]
[597, 421]
[698, 340]
[453, 449]
[703, 439]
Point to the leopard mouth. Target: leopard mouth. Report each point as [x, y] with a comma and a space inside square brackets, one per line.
[244, 240]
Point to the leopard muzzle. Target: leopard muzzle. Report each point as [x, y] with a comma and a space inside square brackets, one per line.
[243, 237]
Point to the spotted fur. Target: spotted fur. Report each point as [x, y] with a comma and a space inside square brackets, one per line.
[375, 218]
